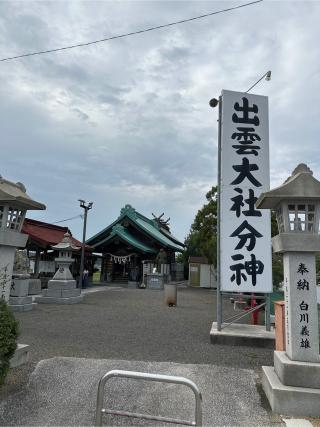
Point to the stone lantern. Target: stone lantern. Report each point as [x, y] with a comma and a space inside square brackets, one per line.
[62, 288]
[14, 202]
[293, 385]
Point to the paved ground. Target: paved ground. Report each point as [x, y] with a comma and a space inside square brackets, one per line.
[62, 391]
[131, 325]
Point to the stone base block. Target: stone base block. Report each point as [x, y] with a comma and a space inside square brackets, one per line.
[34, 286]
[20, 287]
[240, 334]
[20, 300]
[52, 300]
[296, 374]
[288, 400]
[21, 307]
[21, 355]
[61, 293]
[62, 284]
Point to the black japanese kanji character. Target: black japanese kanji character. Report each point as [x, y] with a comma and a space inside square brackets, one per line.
[305, 343]
[253, 268]
[246, 149]
[237, 268]
[245, 135]
[245, 109]
[303, 306]
[304, 331]
[252, 236]
[302, 268]
[302, 285]
[237, 202]
[251, 202]
[304, 317]
[245, 172]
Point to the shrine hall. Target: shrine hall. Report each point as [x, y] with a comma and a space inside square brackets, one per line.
[130, 243]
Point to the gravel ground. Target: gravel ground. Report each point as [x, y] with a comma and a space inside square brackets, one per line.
[130, 324]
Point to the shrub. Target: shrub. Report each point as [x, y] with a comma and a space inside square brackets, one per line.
[9, 330]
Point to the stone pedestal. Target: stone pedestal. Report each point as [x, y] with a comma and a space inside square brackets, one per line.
[296, 374]
[19, 299]
[34, 287]
[292, 387]
[21, 356]
[293, 384]
[60, 292]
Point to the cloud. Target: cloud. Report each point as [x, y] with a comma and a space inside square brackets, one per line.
[128, 121]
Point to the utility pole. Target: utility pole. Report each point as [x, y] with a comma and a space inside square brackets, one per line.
[86, 208]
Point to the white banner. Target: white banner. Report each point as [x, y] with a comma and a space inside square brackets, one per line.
[245, 237]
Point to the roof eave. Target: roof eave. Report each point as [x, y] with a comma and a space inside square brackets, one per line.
[142, 248]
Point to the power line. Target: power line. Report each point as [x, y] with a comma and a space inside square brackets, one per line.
[41, 52]
[68, 219]
[57, 222]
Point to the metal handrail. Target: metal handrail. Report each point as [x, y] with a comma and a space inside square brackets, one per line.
[147, 377]
[251, 310]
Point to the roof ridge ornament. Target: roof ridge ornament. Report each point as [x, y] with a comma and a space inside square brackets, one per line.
[128, 210]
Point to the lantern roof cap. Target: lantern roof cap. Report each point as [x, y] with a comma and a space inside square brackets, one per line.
[301, 185]
[66, 244]
[15, 194]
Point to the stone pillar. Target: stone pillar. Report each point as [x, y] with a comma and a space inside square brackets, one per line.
[302, 330]
[9, 240]
[6, 267]
[19, 299]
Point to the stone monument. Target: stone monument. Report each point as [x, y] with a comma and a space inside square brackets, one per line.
[62, 288]
[14, 202]
[293, 384]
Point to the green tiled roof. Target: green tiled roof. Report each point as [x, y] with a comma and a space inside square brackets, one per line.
[148, 226]
[161, 238]
[121, 232]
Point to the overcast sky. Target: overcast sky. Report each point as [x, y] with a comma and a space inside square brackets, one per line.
[128, 121]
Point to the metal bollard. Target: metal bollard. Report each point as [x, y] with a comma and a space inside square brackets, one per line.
[148, 377]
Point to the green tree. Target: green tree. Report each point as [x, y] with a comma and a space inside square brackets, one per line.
[277, 263]
[9, 331]
[202, 238]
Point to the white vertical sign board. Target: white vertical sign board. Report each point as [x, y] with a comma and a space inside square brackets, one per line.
[245, 236]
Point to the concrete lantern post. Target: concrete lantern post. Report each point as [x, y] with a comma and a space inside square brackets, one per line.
[293, 385]
[14, 202]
